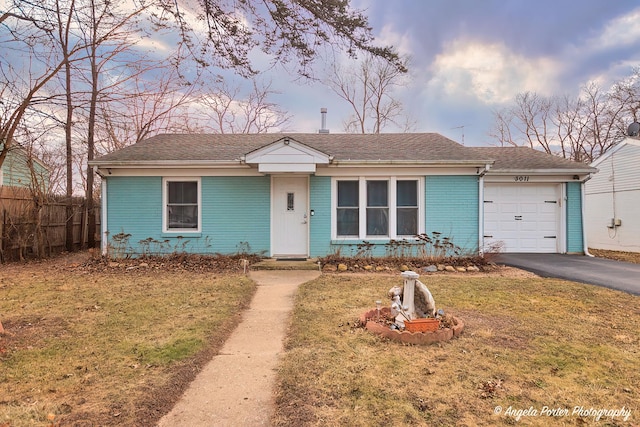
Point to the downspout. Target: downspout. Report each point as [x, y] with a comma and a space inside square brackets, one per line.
[584, 228]
[104, 241]
[481, 209]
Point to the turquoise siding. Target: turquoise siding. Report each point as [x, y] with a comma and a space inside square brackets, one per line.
[235, 216]
[320, 204]
[236, 213]
[574, 218]
[452, 209]
[135, 208]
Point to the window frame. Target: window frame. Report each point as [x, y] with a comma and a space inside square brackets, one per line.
[415, 207]
[391, 206]
[356, 208]
[165, 203]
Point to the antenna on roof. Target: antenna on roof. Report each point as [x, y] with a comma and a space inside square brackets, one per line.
[633, 129]
[323, 125]
[461, 127]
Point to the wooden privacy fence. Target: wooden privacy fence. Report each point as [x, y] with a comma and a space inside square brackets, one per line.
[36, 227]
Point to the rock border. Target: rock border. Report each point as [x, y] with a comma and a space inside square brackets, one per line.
[406, 337]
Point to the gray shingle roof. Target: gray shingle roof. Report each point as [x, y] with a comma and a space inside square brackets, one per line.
[418, 147]
[524, 158]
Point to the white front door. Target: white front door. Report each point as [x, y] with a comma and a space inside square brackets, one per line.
[290, 217]
[522, 217]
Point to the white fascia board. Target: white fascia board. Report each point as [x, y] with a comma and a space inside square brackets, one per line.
[172, 171]
[166, 163]
[530, 177]
[286, 168]
[397, 170]
[430, 163]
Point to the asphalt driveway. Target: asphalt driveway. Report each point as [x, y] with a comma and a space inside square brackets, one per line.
[623, 276]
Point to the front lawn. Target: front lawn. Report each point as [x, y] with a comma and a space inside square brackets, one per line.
[534, 352]
[109, 344]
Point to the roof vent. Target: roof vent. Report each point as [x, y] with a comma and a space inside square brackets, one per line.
[323, 123]
[633, 129]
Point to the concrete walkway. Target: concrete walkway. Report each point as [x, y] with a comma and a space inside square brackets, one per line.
[236, 387]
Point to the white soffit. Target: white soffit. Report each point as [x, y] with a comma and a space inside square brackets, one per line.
[286, 155]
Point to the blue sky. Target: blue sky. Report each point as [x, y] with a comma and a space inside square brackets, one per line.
[470, 57]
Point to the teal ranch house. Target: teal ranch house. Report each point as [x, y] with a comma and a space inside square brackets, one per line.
[310, 195]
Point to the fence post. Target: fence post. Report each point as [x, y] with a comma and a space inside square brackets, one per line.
[2, 239]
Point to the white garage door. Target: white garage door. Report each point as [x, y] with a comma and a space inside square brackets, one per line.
[522, 217]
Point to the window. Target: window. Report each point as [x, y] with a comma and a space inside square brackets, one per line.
[407, 206]
[348, 213]
[182, 205]
[378, 208]
[290, 202]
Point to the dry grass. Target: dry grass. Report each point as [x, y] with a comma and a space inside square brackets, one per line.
[617, 255]
[114, 347]
[528, 342]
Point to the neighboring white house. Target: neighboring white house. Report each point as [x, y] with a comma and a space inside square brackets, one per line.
[612, 199]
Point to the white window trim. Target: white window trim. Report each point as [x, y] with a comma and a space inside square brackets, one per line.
[165, 199]
[362, 206]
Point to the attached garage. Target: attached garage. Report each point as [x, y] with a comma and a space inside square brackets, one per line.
[532, 202]
[522, 217]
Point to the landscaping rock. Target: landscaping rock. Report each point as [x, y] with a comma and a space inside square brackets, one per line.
[449, 268]
[440, 267]
[430, 269]
[342, 267]
[473, 268]
[461, 269]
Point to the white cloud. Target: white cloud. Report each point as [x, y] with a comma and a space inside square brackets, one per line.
[622, 31]
[489, 72]
[389, 37]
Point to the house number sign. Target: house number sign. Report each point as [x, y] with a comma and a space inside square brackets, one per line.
[521, 178]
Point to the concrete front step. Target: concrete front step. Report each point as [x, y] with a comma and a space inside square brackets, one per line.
[286, 264]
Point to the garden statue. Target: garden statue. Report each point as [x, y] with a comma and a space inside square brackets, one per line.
[412, 301]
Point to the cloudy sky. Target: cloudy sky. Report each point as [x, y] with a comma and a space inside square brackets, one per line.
[470, 57]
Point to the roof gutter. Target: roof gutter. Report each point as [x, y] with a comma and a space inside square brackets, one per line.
[443, 163]
[587, 172]
[191, 164]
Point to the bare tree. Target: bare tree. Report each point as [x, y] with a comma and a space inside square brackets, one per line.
[107, 29]
[152, 101]
[29, 33]
[228, 110]
[626, 92]
[369, 89]
[579, 128]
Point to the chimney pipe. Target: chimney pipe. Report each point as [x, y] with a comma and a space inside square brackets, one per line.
[323, 126]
